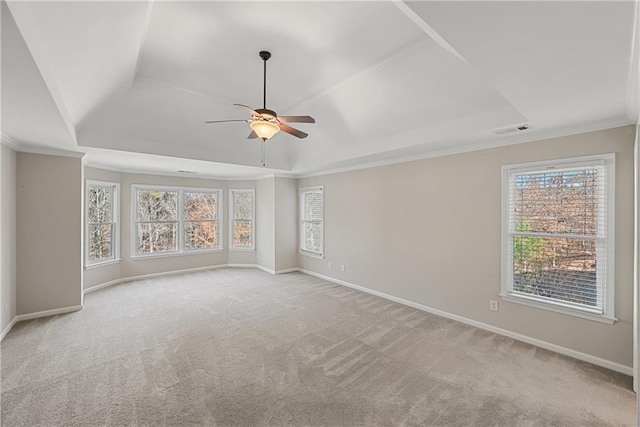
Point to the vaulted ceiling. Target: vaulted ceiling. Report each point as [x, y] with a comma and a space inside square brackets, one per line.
[132, 83]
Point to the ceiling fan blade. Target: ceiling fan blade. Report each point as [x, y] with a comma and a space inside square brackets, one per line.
[227, 121]
[251, 110]
[292, 131]
[252, 135]
[297, 119]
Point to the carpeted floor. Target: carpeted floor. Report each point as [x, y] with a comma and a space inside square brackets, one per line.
[241, 347]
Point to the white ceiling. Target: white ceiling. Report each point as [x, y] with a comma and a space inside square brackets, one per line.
[384, 79]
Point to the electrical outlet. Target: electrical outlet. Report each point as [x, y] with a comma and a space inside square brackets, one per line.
[493, 305]
[257, 254]
[342, 267]
[329, 265]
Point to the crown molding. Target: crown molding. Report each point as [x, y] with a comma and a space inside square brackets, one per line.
[10, 142]
[633, 85]
[97, 165]
[51, 151]
[502, 142]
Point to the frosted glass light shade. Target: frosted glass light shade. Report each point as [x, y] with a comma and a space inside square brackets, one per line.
[264, 129]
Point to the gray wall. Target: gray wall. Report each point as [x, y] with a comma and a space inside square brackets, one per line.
[8, 308]
[49, 232]
[265, 228]
[286, 223]
[429, 231]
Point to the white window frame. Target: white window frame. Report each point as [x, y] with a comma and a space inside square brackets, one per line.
[301, 213]
[115, 232]
[251, 191]
[180, 247]
[606, 282]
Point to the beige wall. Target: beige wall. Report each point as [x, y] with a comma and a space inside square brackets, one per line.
[429, 231]
[130, 267]
[8, 307]
[265, 229]
[285, 223]
[49, 232]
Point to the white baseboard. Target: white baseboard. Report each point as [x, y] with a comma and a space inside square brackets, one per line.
[627, 370]
[268, 270]
[102, 285]
[188, 270]
[287, 270]
[47, 313]
[153, 275]
[8, 328]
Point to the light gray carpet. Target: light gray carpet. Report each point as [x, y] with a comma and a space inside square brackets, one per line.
[242, 347]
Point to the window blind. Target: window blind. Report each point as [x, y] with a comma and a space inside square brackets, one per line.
[312, 214]
[557, 248]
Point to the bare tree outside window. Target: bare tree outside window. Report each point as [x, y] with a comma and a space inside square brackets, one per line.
[100, 222]
[157, 221]
[200, 220]
[557, 235]
[242, 218]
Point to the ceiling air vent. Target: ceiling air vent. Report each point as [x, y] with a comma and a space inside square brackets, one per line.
[511, 130]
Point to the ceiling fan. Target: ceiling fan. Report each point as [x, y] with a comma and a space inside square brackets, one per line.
[266, 123]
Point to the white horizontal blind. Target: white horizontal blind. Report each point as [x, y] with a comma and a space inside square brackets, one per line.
[312, 220]
[558, 226]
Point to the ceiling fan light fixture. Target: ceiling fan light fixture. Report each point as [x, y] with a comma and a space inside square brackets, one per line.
[264, 129]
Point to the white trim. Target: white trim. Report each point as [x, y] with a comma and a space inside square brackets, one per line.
[241, 265]
[606, 161]
[167, 254]
[311, 254]
[100, 286]
[287, 270]
[102, 264]
[50, 151]
[153, 275]
[47, 313]
[558, 308]
[179, 221]
[301, 220]
[627, 370]
[8, 328]
[268, 270]
[494, 142]
[115, 216]
[251, 191]
[11, 143]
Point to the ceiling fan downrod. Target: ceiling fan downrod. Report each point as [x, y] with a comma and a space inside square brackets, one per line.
[265, 55]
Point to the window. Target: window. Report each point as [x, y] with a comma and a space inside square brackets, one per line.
[175, 220]
[102, 220]
[241, 215]
[312, 221]
[558, 235]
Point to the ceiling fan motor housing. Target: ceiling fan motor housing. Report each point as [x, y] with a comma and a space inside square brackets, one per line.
[267, 114]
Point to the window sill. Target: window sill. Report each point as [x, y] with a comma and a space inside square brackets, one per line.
[173, 254]
[311, 254]
[101, 264]
[242, 249]
[602, 318]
